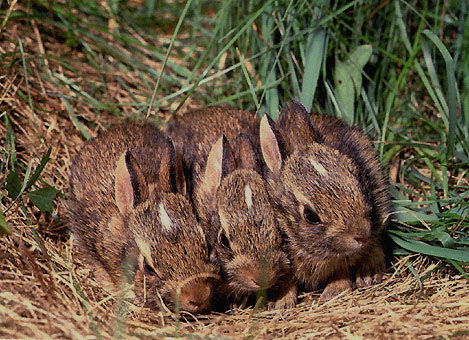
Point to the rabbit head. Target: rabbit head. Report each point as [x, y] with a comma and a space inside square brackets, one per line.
[127, 208]
[325, 209]
[244, 231]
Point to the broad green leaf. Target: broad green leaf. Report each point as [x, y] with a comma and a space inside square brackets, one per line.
[344, 91]
[357, 61]
[348, 80]
[438, 234]
[13, 185]
[4, 230]
[427, 249]
[312, 66]
[444, 237]
[43, 198]
[409, 216]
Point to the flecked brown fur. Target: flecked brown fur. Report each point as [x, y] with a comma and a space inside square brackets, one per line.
[331, 190]
[125, 208]
[231, 198]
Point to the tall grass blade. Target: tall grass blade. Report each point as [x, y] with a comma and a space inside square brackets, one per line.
[312, 66]
[173, 38]
[452, 90]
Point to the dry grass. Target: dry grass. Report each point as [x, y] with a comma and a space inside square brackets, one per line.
[50, 294]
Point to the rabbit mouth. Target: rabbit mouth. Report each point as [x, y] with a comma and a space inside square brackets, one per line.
[193, 294]
[353, 244]
[252, 277]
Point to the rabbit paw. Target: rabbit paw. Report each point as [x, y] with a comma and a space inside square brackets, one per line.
[334, 288]
[370, 268]
[287, 301]
[368, 280]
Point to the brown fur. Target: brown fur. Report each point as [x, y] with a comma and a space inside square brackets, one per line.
[322, 168]
[231, 198]
[124, 207]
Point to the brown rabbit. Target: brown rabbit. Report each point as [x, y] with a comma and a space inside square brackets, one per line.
[124, 206]
[231, 198]
[328, 183]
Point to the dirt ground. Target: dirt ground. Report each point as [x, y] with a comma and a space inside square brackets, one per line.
[46, 292]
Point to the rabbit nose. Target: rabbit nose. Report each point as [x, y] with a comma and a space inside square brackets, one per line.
[196, 297]
[361, 240]
[259, 279]
[362, 234]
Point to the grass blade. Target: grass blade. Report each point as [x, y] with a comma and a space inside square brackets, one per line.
[312, 65]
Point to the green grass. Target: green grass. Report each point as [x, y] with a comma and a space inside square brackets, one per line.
[399, 70]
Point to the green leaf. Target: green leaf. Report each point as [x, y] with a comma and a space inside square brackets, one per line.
[42, 198]
[4, 230]
[75, 120]
[411, 216]
[39, 169]
[357, 61]
[312, 65]
[452, 89]
[427, 249]
[444, 237]
[344, 91]
[438, 234]
[13, 185]
[348, 80]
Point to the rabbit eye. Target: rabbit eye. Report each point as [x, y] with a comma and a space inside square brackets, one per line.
[148, 269]
[310, 216]
[224, 240]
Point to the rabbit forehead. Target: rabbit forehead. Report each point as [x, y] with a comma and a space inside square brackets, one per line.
[326, 180]
[175, 255]
[243, 189]
[169, 217]
[250, 233]
[245, 211]
[319, 169]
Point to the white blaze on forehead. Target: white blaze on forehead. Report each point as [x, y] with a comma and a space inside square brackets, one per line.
[248, 195]
[318, 166]
[164, 217]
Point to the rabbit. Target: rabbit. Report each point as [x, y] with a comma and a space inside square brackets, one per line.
[231, 199]
[325, 178]
[125, 209]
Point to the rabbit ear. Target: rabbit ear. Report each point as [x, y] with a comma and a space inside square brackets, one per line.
[220, 162]
[295, 127]
[269, 145]
[245, 155]
[130, 186]
[228, 163]
[167, 175]
[180, 178]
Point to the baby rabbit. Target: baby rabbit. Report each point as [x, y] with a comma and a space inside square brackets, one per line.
[125, 206]
[327, 181]
[231, 198]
